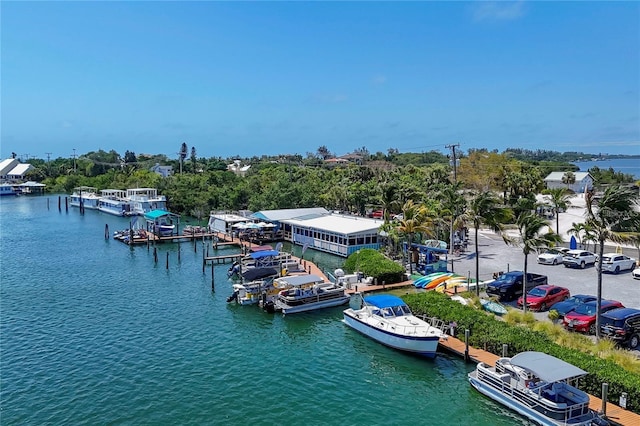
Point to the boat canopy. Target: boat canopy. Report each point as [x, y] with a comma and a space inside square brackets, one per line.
[300, 280]
[255, 249]
[155, 214]
[264, 253]
[384, 301]
[547, 367]
[258, 273]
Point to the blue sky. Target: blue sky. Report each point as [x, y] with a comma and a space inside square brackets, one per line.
[253, 78]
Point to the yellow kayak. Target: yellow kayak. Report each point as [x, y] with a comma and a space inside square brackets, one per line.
[451, 283]
[434, 282]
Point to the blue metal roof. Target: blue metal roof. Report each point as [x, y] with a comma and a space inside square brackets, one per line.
[264, 253]
[384, 301]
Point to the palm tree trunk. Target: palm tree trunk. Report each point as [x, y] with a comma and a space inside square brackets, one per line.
[524, 285]
[477, 262]
[599, 299]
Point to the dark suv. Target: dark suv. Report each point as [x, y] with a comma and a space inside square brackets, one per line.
[622, 325]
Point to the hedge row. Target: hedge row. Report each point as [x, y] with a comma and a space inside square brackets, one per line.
[490, 334]
[374, 264]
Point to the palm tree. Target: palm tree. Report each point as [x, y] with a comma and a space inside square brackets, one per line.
[569, 178]
[610, 216]
[576, 230]
[559, 201]
[485, 208]
[533, 238]
[452, 202]
[416, 219]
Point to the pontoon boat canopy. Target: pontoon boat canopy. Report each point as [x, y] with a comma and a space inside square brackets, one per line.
[299, 280]
[264, 253]
[547, 367]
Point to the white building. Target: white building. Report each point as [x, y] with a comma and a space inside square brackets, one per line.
[583, 180]
[164, 171]
[319, 229]
[236, 168]
[12, 169]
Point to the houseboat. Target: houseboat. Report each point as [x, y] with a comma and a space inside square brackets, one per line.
[115, 202]
[86, 197]
[143, 200]
[8, 189]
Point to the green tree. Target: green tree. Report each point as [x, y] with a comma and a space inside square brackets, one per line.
[610, 216]
[193, 159]
[484, 208]
[533, 237]
[415, 219]
[569, 178]
[559, 201]
[182, 154]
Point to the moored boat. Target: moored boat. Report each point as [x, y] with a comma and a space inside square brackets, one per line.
[258, 287]
[388, 320]
[114, 201]
[144, 200]
[85, 196]
[308, 293]
[8, 189]
[538, 386]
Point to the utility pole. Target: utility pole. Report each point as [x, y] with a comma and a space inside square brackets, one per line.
[48, 165]
[453, 156]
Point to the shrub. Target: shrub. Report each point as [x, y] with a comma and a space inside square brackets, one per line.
[374, 264]
[490, 334]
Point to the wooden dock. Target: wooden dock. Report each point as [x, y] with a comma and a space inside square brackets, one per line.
[615, 413]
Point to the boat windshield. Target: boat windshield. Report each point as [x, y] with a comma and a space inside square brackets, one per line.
[387, 312]
[397, 310]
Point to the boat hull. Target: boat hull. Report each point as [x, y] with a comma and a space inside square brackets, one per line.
[420, 345]
[329, 303]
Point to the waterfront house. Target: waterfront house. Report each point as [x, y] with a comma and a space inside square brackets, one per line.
[583, 180]
[164, 171]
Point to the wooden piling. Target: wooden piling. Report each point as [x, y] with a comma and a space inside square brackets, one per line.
[66, 204]
[466, 345]
[167, 260]
[59, 205]
[179, 250]
[155, 254]
[48, 204]
[504, 350]
[213, 287]
[605, 394]
[106, 231]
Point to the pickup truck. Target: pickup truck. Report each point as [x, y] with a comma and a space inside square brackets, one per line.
[508, 286]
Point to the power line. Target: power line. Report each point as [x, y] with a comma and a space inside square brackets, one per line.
[453, 155]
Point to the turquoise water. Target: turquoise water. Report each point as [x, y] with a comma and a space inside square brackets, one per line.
[94, 332]
[630, 166]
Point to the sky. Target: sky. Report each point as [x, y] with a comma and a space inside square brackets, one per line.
[269, 78]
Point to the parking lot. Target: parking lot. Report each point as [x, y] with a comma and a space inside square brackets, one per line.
[496, 256]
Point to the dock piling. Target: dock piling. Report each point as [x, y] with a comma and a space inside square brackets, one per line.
[106, 231]
[605, 394]
[466, 345]
[167, 260]
[155, 254]
[213, 286]
[504, 350]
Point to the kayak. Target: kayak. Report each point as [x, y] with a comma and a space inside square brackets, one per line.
[494, 307]
[422, 281]
[451, 283]
[434, 282]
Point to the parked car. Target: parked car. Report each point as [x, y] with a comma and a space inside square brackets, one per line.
[508, 286]
[578, 259]
[377, 214]
[583, 317]
[543, 296]
[622, 325]
[636, 273]
[615, 262]
[552, 256]
[566, 306]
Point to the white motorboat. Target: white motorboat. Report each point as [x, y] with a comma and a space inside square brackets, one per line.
[538, 386]
[308, 293]
[388, 320]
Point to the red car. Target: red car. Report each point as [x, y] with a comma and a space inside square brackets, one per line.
[541, 297]
[583, 317]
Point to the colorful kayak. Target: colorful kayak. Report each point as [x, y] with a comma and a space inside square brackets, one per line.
[459, 299]
[422, 281]
[434, 282]
[452, 283]
[494, 307]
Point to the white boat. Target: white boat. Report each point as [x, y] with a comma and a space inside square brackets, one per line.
[388, 320]
[144, 200]
[537, 386]
[259, 287]
[114, 201]
[8, 189]
[85, 195]
[308, 293]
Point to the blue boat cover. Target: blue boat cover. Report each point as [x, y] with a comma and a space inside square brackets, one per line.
[264, 253]
[259, 273]
[384, 301]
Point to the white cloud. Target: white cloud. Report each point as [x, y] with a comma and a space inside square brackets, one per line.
[498, 10]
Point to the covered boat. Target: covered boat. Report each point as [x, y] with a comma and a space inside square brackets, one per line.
[308, 293]
[258, 287]
[388, 320]
[538, 386]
